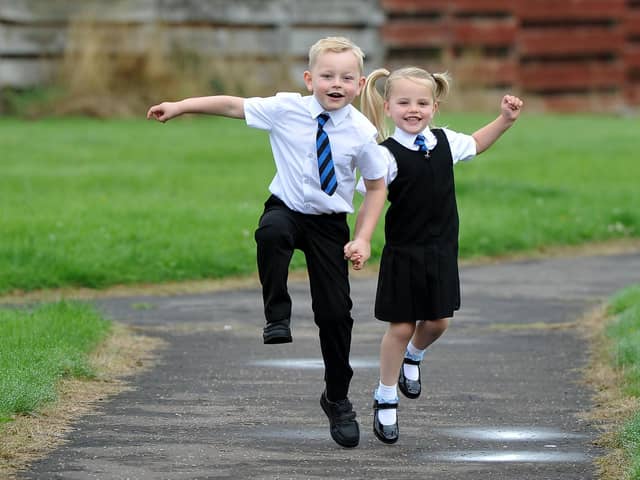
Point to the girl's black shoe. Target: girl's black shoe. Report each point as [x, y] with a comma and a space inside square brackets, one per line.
[409, 388]
[385, 433]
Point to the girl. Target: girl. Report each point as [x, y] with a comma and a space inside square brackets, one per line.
[418, 284]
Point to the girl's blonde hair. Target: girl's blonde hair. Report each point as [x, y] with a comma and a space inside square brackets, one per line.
[372, 103]
[337, 45]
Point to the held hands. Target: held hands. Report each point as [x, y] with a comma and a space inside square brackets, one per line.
[510, 107]
[357, 252]
[164, 111]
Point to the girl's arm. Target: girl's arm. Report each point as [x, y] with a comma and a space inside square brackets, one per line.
[223, 105]
[359, 250]
[509, 112]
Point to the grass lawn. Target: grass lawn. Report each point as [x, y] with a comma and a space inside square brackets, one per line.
[623, 349]
[96, 203]
[41, 346]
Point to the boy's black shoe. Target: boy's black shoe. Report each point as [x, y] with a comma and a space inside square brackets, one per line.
[409, 388]
[385, 433]
[342, 419]
[277, 332]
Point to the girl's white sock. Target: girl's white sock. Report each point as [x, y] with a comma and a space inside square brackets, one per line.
[387, 394]
[415, 353]
[411, 371]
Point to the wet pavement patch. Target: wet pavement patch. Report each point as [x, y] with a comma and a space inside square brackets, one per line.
[505, 437]
[509, 456]
[311, 363]
[509, 434]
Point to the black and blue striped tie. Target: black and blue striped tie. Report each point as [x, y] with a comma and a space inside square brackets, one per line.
[420, 143]
[328, 181]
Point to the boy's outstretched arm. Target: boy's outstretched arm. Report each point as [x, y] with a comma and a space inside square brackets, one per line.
[223, 105]
[510, 108]
[358, 250]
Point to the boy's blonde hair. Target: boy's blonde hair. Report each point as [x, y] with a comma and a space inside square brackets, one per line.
[372, 103]
[337, 45]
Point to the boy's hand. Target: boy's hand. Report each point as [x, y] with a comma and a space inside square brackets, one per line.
[164, 111]
[510, 107]
[357, 252]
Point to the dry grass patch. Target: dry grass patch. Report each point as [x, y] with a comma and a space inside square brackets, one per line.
[29, 437]
[119, 70]
[534, 326]
[611, 407]
[120, 291]
[610, 247]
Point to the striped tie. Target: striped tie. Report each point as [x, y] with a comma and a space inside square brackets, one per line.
[328, 181]
[421, 145]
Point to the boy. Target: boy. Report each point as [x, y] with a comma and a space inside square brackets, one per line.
[317, 141]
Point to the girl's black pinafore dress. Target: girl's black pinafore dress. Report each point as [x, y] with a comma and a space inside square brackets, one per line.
[418, 277]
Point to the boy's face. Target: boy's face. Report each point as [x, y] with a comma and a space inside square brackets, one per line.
[335, 79]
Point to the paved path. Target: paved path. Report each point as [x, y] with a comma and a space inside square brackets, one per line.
[502, 399]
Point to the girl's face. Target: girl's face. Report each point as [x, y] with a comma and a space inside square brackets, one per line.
[335, 79]
[411, 105]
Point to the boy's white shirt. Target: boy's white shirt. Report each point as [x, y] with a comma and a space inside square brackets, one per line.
[463, 147]
[291, 121]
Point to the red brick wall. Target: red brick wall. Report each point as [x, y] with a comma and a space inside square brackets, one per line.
[569, 54]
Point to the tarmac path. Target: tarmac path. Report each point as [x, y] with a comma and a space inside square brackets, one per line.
[502, 391]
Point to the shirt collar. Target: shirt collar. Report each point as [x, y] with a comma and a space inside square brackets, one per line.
[407, 139]
[337, 116]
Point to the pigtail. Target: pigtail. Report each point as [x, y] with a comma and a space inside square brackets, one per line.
[442, 82]
[372, 103]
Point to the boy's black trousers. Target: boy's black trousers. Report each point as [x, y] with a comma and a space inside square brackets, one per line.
[322, 239]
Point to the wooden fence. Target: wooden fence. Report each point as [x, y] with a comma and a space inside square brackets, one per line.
[34, 34]
[569, 55]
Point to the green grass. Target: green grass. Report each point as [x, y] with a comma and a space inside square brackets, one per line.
[95, 203]
[630, 441]
[625, 300]
[42, 346]
[624, 333]
[550, 180]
